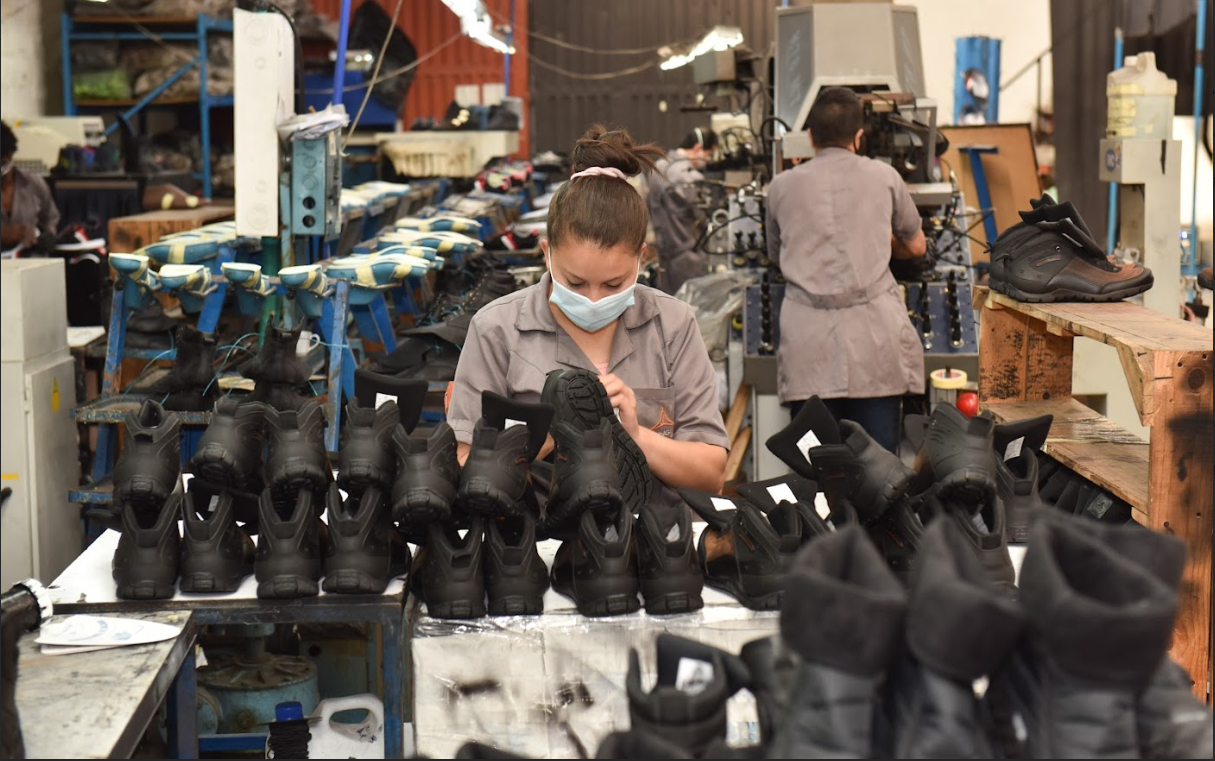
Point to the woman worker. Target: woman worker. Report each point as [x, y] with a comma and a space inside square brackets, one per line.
[28, 215]
[589, 312]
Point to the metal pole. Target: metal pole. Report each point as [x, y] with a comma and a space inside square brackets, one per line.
[1111, 229]
[1189, 265]
[510, 41]
[339, 67]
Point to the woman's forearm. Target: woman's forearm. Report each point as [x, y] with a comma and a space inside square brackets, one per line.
[689, 464]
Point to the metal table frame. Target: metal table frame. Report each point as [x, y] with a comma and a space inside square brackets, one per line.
[385, 610]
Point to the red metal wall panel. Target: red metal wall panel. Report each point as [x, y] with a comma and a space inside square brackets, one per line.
[429, 24]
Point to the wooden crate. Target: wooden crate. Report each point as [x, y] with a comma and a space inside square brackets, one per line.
[1025, 369]
[126, 234]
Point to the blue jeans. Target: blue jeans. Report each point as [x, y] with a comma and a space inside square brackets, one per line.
[879, 416]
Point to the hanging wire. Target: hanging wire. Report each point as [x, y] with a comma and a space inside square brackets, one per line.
[379, 61]
[592, 77]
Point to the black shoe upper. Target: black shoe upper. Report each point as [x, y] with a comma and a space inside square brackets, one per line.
[189, 385]
[147, 559]
[584, 476]
[598, 569]
[579, 400]
[409, 395]
[230, 452]
[667, 564]
[515, 575]
[358, 546]
[216, 553]
[366, 457]
[427, 475]
[297, 456]
[288, 562]
[448, 572]
[149, 468]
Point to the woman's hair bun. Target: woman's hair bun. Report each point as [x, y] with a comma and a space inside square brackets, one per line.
[601, 146]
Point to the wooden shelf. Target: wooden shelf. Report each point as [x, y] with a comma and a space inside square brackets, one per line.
[1025, 369]
[1111, 457]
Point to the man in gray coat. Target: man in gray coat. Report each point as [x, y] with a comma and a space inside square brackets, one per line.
[833, 225]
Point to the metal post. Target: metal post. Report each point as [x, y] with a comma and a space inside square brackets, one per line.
[339, 67]
[1189, 264]
[65, 51]
[510, 41]
[204, 104]
[1111, 229]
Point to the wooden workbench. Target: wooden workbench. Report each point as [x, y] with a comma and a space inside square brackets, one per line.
[126, 234]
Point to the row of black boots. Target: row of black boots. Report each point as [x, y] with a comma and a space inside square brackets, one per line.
[948, 666]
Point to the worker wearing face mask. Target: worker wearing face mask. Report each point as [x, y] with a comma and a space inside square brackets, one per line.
[29, 218]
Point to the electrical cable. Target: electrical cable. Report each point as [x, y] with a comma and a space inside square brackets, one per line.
[532, 34]
[379, 61]
[590, 77]
[394, 72]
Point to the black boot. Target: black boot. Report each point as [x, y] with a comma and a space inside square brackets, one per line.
[216, 554]
[297, 459]
[288, 562]
[1100, 626]
[149, 469]
[843, 615]
[671, 579]
[230, 453]
[814, 426]
[687, 706]
[147, 558]
[372, 389]
[584, 477]
[277, 370]
[1170, 721]
[358, 546]
[1016, 447]
[366, 458]
[189, 385]
[427, 475]
[493, 481]
[959, 628]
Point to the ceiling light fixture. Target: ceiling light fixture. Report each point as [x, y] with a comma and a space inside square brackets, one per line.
[718, 39]
[476, 23]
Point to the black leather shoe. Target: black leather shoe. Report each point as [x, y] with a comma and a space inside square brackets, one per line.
[149, 469]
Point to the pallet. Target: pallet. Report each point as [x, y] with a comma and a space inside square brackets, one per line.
[1025, 364]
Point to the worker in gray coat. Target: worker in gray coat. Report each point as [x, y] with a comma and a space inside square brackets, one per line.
[833, 225]
[677, 218]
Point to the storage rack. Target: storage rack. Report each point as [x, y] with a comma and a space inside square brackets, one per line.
[90, 28]
[1025, 364]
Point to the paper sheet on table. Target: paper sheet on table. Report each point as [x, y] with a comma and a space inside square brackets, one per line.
[80, 632]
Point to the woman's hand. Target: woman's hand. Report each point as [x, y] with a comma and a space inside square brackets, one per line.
[623, 399]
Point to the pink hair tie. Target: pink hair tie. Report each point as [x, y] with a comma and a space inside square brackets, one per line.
[605, 171]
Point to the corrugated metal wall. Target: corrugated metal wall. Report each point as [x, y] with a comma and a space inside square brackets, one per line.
[429, 24]
[563, 105]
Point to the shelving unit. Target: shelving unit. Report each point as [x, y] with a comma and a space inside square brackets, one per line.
[1025, 362]
[90, 28]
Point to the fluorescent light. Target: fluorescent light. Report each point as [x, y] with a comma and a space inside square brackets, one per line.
[476, 23]
[718, 39]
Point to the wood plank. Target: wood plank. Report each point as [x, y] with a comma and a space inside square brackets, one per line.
[1182, 463]
[1111, 457]
[127, 234]
[1012, 173]
[738, 453]
[1119, 323]
[1021, 360]
[738, 411]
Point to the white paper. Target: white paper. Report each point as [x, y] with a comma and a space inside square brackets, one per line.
[806, 443]
[1013, 450]
[721, 503]
[512, 423]
[380, 399]
[693, 676]
[821, 507]
[103, 631]
[781, 493]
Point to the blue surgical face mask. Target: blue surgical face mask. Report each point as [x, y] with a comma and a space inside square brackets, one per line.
[586, 314]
